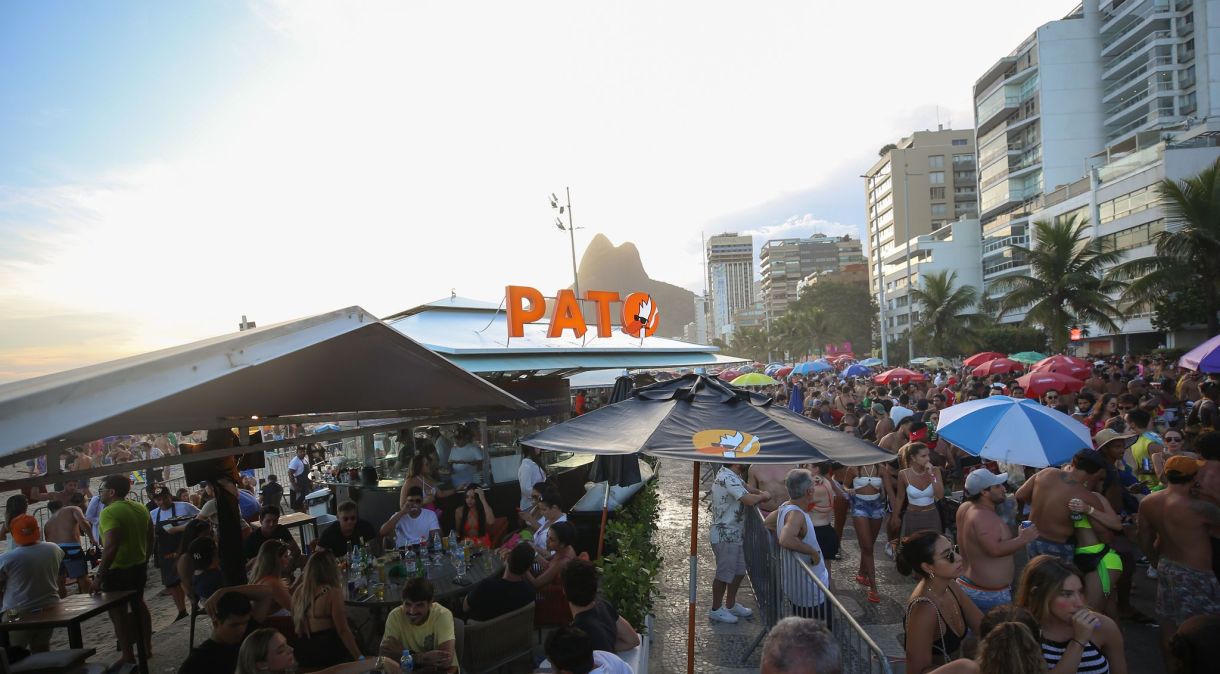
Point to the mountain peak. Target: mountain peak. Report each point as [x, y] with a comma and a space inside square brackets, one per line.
[604, 266]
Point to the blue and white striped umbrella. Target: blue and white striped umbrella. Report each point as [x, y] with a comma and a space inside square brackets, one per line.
[871, 362]
[1014, 431]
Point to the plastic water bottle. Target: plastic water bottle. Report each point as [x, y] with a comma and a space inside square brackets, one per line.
[453, 542]
[406, 662]
[409, 560]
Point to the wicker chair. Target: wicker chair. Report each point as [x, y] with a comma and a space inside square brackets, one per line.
[493, 644]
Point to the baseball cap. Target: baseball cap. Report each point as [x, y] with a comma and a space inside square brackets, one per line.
[981, 478]
[1107, 435]
[25, 530]
[162, 491]
[1182, 465]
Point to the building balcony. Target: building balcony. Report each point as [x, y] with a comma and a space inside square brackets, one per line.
[1129, 59]
[1130, 28]
[1119, 111]
[1133, 81]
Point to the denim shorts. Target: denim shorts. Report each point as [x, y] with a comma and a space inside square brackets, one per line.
[869, 509]
[985, 600]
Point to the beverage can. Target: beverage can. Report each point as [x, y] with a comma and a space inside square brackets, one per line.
[1025, 524]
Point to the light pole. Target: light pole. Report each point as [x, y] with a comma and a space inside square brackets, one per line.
[571, 229]
[875, 240]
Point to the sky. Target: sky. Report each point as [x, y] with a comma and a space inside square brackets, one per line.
[166, 168]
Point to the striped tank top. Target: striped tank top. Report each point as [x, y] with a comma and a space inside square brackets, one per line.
[1092, 661]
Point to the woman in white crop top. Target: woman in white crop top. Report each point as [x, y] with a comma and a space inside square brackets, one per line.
[868, 513]
[920, 486]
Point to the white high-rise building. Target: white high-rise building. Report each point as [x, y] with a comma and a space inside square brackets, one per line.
[730, 278]
[1038, 119]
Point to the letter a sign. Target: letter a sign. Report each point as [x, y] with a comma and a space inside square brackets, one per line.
[639, 313]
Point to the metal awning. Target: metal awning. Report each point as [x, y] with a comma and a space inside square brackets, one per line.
[334, 365]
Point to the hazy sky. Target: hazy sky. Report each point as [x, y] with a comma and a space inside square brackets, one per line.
[168, 167]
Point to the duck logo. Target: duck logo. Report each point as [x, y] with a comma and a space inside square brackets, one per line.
[726, 443]
[640, 315]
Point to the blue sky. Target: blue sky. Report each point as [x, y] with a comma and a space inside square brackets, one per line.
[170, 166]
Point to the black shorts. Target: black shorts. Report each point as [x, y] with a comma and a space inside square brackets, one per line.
[828, 540]
[128, 578]
[169, 571]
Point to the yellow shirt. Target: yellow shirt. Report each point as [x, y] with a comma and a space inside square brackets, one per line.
[436, 630]
[133, 520]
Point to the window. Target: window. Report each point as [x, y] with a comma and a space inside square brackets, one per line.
[1131, 202]
[936, 161]
[963, 160]
[936, 193]
[936, 177]
[938, 210]
[960, 141]
[1133, 237]
[964, 177]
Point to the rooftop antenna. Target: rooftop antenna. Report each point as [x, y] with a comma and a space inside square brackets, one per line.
[245, 324]
[453, 293]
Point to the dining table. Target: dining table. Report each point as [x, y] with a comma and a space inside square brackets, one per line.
[379, 597]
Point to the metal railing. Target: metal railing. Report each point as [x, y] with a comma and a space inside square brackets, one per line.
[785, 585]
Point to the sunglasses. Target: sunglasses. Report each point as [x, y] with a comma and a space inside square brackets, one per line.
[951, 554]
[1052, 397]
[1170, 438]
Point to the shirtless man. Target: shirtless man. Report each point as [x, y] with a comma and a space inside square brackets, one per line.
[884, 425]
[986, 542]
[899, 437]
[1048, 492]
[1174, 527]
[770, 478]
[81, 462]
[64, 528]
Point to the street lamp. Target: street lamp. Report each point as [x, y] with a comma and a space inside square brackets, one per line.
[906, 212]
[571, 229]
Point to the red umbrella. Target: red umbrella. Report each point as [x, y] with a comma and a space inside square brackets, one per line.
[997, 366]
[1038, 383]
[980, 358]
[1069, 365]
[782, 372]
[728, 375]
[900, 375]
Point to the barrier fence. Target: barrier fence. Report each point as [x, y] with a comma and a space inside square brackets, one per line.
[785, 585]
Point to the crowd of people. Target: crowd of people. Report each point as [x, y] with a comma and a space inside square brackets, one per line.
[292, 612]
[1141, 505]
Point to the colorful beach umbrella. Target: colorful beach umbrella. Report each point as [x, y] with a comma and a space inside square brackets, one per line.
[1038, 383]
[1071, 366]
[782, 372]
[1204, 358]
[753, 379]
[997, 366]
[857, 370]
[980, 358]
[871, 362]
[728, 375]
[899, 375]
[1027, 357]
[1013, 430]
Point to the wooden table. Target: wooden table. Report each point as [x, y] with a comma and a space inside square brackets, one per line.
[445, 587]
[73, 610]
[300, 521]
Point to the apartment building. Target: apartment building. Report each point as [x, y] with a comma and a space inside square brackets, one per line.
[952, 248]
[917, 187]
[1038, 119]
[783, 263]
[730, 279]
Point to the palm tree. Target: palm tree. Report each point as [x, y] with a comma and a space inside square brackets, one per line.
[1065, 285]
[946, 323]
[1186, 250]
[803, 331]
[750, 343]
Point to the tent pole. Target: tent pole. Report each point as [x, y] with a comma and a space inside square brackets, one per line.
[694, 567]
[601, 539]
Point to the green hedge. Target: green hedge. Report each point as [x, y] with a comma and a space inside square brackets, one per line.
[629, 573]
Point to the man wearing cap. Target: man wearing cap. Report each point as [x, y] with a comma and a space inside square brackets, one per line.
[1174, 527]
[167, 535]
[29, 576]
[986, 542]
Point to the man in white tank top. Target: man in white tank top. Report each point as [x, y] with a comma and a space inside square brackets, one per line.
[798, 540]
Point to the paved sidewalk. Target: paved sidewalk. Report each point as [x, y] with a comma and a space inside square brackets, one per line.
[725, 648]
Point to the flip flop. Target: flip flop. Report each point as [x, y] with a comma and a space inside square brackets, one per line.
[873, 597]
[862, 580]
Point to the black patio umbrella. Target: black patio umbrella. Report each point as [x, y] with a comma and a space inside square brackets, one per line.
[700, 418]
[615, 469]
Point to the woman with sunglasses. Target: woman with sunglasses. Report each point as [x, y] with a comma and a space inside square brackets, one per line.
[1175, 445]
[1105, 410]
[938, 613]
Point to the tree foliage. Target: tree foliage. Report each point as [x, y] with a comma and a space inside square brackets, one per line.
[1066, 285]
[1010, 339]
[1187, 251]
[849, 310]
[946, 320]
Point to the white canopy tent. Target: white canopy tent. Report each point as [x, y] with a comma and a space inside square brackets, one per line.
[344, 364]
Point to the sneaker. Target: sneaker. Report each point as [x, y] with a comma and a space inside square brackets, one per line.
[889, 550]
[1151, 571]
[722, 615]
[740, 611]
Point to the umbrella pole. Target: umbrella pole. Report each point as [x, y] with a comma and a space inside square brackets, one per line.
[694, 567]
[601, 539]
